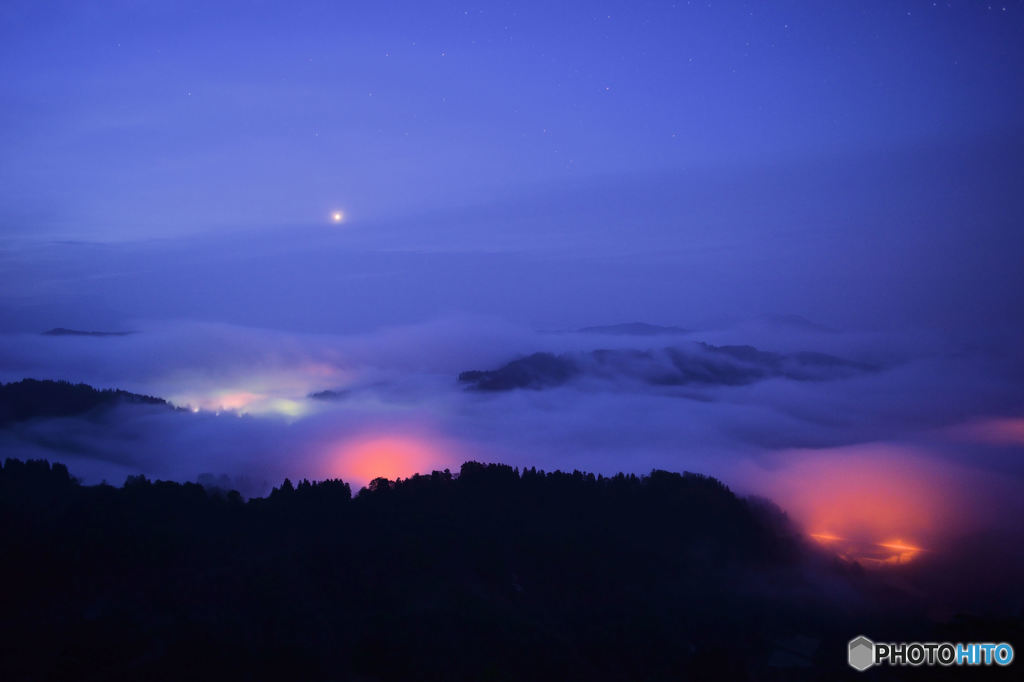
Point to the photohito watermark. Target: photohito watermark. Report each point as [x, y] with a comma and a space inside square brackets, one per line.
[863, 653]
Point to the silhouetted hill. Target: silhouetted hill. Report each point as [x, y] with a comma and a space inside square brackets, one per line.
[699, 363]
[330, 395]
[61, 331]
[539, 370]
[30, 398]
[488, 574]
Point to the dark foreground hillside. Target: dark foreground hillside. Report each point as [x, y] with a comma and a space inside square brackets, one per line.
[485, 575]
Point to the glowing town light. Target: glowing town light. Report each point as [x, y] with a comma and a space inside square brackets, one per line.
[899, 545]
[866, 552]
[362, 458]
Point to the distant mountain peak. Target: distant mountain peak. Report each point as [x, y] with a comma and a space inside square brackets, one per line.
[61, 331]
[699, 364]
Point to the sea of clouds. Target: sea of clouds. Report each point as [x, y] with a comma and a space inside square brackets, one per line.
[926, 445]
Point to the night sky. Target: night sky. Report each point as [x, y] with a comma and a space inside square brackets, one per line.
[839, 178]
[133, 120]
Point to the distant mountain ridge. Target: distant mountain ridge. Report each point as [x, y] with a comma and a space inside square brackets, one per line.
[329, 394]
[699, 364]
[61, 331]
[633, 329]
[31, 398]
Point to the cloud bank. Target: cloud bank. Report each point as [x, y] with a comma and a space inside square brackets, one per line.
[919, 442]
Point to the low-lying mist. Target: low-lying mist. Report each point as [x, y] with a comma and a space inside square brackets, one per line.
[881, 465]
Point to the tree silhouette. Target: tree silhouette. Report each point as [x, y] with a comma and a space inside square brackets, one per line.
[491, 573]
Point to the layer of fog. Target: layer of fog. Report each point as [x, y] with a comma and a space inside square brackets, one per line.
[930, 444]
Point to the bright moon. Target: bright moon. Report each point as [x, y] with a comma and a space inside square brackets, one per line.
[337, 216]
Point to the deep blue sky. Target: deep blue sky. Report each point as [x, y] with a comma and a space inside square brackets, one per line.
[509, 170]
[552, 164]
[123, 120]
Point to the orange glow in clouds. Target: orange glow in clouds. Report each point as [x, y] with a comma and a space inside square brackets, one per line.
[236, 400]
[991, 430]
[857, 500]
[890, 553]
[365, 458]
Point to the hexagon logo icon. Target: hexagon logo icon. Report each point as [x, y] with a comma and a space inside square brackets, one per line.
[861, 653]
